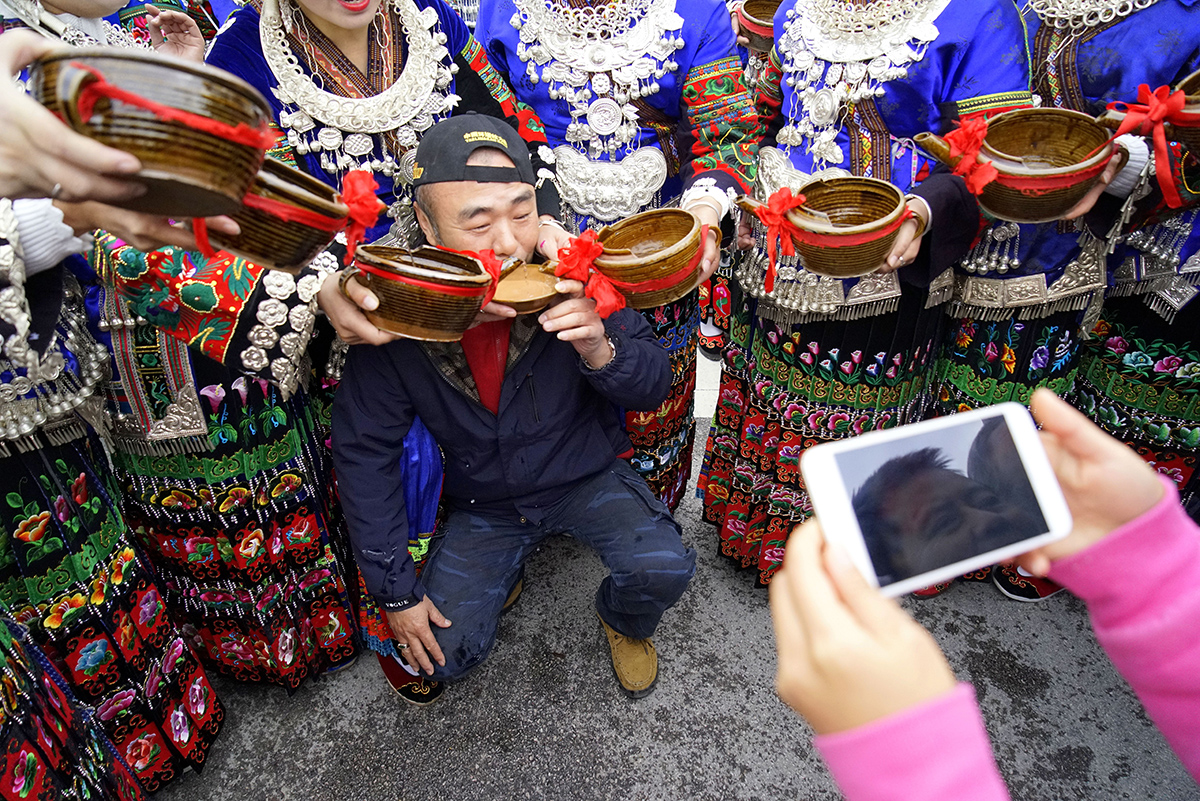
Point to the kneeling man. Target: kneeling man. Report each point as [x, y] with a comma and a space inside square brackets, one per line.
[526, 411]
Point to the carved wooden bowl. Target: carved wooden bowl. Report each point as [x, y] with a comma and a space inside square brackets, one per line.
[427, 294]
[756, 18]
[188, 172]
[1047, 158]
[272, 241]
[652, 246]
[854, 208]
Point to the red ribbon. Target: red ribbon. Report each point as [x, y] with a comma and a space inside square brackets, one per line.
[779, 228]
[966, 141]
[358, 193]
[674, 279]
[577, 262]
[457, 291]
[200, 231]
[835, 240]
[1150, 113]
[261, 138]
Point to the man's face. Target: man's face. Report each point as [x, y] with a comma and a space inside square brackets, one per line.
[941, 517]
[468, 215]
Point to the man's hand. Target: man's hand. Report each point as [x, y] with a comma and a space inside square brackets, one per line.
[576, 321]
[411, 628]
[1086, 203]
[908, 244]
[38, 152]
[847, 655]
[145, 232]
[492, 312]
[346, 314]
[712, 250]
[174, 33]
[1105, 483]
[745, 233]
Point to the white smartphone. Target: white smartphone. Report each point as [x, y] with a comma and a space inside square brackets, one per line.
[926, 502]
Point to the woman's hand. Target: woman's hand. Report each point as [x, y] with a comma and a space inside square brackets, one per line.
[1105, 483]
[908, 244]
[173, 33]
[847, 655]
[346, 314]
[145, 232]
[712, 248]
[552, 237]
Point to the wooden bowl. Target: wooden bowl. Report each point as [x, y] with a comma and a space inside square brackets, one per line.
[1188, 133]
[527, 288]
[1047, 158]
[277, 243]
[652, 246]
[853, 207]
[444, 304]
[756, 19]
[188, 172]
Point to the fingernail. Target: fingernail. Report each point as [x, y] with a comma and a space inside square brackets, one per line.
[836, 558]
[542, 320]
[128, 163]
[370, 303]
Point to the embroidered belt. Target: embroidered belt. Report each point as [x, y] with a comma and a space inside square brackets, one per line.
[609, 190]
[800, 296]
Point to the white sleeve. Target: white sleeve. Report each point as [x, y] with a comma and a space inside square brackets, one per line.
[45, 238]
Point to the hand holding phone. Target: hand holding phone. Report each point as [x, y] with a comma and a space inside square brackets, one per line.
[926, 502]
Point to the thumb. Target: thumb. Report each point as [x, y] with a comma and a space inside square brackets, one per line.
[436, 617]
[1076, 435]
[362, 297]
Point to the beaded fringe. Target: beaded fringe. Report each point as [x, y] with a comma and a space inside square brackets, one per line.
[50, 435]
[175, 446]
[859, 311]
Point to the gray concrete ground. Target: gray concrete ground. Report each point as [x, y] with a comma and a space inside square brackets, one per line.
[543, 718]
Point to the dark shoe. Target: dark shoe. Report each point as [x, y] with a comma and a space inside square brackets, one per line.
[514, 593]
[712, 348]
[933, 590]
[349, 663]
[416, 690]
[1020, 587]
[635, 662]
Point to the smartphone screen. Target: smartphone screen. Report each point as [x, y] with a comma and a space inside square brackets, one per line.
[938, 497]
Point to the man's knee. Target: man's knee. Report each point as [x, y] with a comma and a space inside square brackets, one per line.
[464, 649]
[662, 569]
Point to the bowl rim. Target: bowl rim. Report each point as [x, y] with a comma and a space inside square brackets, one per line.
[1007, 164]
[291, 182]
[198, 69]
[667, 252]
[767, 26]
[806, 223]
[1190, 86]
[481, 280]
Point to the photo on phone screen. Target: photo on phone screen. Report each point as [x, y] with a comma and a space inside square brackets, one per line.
[931, 500]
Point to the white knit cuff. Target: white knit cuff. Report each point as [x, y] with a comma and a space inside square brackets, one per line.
[1125, 180]
[45, 239]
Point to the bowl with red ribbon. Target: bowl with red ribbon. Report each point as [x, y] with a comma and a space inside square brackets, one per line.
[756, 19]
[286, 219]
[199, 132]
[1027, 166]
[841, 227]
[652, 258]
[431, 294]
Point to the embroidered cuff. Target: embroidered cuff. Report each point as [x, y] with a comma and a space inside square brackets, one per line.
[45, 239]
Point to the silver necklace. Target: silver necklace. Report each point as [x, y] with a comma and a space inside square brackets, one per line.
[68, 27]
[1079, 15]
[349, 125]
[836, 53]
[599, 58]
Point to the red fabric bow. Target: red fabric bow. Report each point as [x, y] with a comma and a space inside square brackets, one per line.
[1149, 114]
[779, 228]
[492, 264]
[200, 231]
[577, 263]
[966, 141]
[358, 193]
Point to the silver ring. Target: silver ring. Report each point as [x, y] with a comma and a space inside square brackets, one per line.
[403, 646]
[56, 191]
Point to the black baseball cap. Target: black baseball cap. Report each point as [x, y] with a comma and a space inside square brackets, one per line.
[444, 149]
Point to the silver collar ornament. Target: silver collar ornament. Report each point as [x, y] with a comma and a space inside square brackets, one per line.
[837, 53]
[343, 130]
[599, 59]
[68, 28]
[1076, 16]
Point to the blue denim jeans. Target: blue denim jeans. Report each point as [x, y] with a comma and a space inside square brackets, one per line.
[479, 559]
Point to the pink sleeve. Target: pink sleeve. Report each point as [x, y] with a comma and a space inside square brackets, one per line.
[932, 750]
[1142, 588]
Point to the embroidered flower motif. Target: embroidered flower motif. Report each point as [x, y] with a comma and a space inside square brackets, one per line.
[314, 577]
[288, 483]
[179, 499]
[92, 656]
[34, 528]
[153, 681]
[773, 555]
[181, 731]
[63, 609]
[237, 496]
[118, 565]
[149, 608]
[1168, 364]
[197, 698]
[251, 546]
[215, 394]
[1008, 358]
[1191, 370]
[286, 650]
[141, 752]
[79, 489]
[99, 584]
[1101, 330]
[1117, 345]
[116, 705]
[1040, 358]
[991, 352]
[24, 773]
[1137, 359]
[61, 510]
[173, 657]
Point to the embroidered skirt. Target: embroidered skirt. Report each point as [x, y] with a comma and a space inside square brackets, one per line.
[987, 362]
[1140, 381]
[786, 389]
[242, 536]
[663, 439]
[53, 747]
[71, 573]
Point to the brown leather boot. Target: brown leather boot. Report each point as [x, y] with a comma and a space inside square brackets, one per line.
[635, 662]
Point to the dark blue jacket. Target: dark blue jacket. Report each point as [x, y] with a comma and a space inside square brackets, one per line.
[557, 425]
